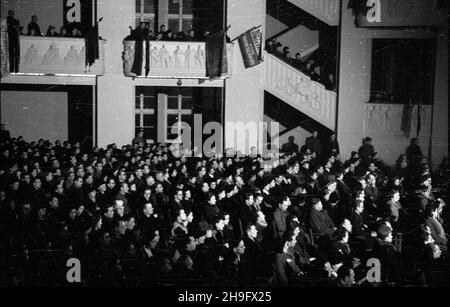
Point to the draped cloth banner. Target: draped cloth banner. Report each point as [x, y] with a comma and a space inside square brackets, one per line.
[92, 45]
[419, 119]
[216, 55]
[250, 44]
[407, 116]
[4, 52]
[138, 57]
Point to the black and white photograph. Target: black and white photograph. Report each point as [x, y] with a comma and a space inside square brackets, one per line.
[193, 146]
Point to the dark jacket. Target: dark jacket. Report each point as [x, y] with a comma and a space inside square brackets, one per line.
[321, 223]
[279, 221]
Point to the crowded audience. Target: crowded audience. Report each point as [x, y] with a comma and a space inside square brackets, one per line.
[139, 215]
[310, 66]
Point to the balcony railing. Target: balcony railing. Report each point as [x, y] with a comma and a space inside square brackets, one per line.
[172, 60]
[389, 119]
[58, 55]
[297, 89]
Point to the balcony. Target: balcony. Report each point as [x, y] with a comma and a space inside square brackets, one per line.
[298, 90]
[57, 56]
[172, 60]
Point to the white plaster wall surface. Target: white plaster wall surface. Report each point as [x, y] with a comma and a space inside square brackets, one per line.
[35, 115]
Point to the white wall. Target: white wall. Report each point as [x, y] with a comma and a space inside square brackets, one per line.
[440, 114]
[273, 26]
[49, 12]
[354, 88]
[115, 91]
[35, 115]
[243, 94]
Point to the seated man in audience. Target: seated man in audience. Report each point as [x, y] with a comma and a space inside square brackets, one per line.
[279, 217]
[386, 252]
[319, 221]
[256, 263]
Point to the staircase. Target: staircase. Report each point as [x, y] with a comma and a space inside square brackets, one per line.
[291, 14]
[325, 10]
[299, 91]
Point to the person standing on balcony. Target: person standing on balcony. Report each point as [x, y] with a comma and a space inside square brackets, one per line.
[51, 31]
[13, 35]
[191, 36]
[162, 32]
[33, 25]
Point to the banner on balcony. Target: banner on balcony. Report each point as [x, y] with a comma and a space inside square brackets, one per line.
[92, 47]
[78, 14]
[4, 52]
[216, 55]
[250, 44]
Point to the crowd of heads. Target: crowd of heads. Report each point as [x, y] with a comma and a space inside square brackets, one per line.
[138, 215]
[313, 67]
[33, 28]
[144, 31]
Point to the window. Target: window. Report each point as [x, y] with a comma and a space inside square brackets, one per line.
[145, 12]
[180, 15]
[402, 71]
[145, 112]
[178, 109]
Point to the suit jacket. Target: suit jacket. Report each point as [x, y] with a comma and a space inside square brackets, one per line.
[321, 223]
[283, 265]
[314, 145]
[289, 148]
[359, 228]
[279, 220]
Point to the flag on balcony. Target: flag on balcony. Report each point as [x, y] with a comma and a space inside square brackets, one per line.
[4, 50]
[216, 55]
[251, 46]
[92, 47]
[407, 116]
[138, 57]
[419, 120]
